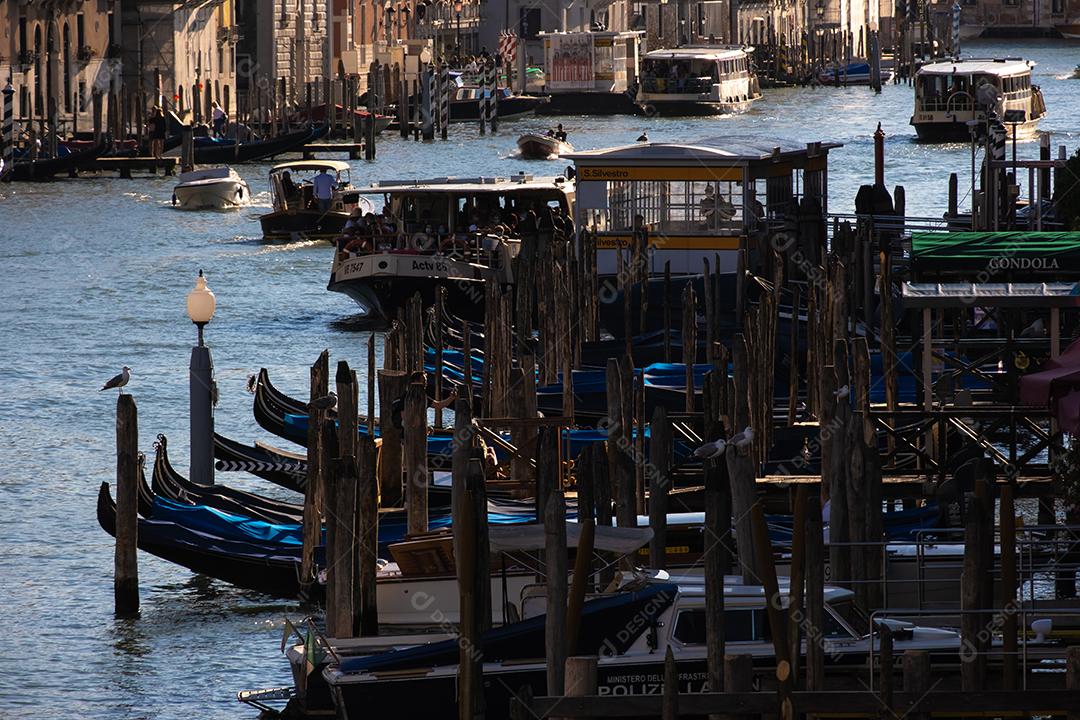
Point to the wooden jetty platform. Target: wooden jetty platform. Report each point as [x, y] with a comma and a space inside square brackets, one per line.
[355, 150]
[126, 166]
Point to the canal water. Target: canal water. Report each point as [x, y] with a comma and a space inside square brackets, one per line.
[95, 273]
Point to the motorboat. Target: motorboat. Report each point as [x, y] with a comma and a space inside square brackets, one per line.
[953, 93]
[697, 80]
[856, 72]
[630, 631]
[295, 213]
[219, 188]
[535, 146]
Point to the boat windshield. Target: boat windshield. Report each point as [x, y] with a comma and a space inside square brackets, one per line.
[844, 618]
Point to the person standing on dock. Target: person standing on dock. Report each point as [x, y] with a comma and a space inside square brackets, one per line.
[221, 120]
[323, 187]
[157, 127]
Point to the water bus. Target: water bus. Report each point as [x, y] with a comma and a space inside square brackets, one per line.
[951, 94]
[449, 232]
[697, 80]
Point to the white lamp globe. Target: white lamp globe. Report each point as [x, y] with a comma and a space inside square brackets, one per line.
[201, 302]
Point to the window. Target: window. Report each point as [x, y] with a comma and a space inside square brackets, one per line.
[530, 23]
[850, 614]
[739, 626]
[1057, 7]
[80, 30]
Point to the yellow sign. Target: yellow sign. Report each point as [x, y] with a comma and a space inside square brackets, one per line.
[596, 172]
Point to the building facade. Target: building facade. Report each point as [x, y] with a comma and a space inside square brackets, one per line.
[55, 55]
[181, 55]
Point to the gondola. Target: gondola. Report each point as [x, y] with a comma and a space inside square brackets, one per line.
[318, 114]
[281, 467]
[169, 483]
[270, 569]
[214, 151]
[47, 168]
[224, 512]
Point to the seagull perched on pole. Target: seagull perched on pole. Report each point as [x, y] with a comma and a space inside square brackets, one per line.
[118, 381]
[743, 439]
[326, 402]
[711, 450]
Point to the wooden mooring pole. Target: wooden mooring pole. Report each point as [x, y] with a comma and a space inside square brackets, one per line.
[314, 488]
[555, 559]
[416, 471]
[126, 564]
[392, 385]
[366, 619]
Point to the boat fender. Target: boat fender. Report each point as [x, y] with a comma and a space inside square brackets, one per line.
[174, 199]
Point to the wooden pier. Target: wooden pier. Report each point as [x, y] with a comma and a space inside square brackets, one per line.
[125, 167]
[355, 150]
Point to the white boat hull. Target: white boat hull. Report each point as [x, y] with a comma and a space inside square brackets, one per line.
[211, 189]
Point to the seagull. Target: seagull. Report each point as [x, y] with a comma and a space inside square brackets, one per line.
[252, 383]
[743, 439]
[119, 381]
[843, 392]
[326, 402]
[644, 137]
[711, 450]
[1035, 329]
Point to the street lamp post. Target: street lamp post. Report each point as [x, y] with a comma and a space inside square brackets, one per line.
[458, 7]
[200, 308]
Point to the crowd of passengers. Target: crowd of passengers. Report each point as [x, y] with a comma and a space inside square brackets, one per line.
[380, 232]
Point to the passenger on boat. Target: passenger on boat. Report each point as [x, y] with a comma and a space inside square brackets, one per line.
[288, 187]
[560, 134]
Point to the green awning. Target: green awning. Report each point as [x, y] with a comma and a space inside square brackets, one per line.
[1015, 254]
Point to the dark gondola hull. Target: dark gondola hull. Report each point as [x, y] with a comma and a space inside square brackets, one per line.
[168, 483]
[267, 569]
[508, 108]
[39, 170]
[230, 153]
[303, 224]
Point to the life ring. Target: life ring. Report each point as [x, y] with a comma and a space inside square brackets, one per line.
[421, 242]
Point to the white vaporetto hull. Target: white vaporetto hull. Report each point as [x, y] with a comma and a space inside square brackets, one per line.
[211, 189]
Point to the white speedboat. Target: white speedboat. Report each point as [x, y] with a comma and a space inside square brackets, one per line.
[535, 146]
[219, 188]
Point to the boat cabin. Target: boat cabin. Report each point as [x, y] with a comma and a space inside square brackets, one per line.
[694, 79]
[291, 185]
[694, 200]
[950, 94]
[427, 214]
